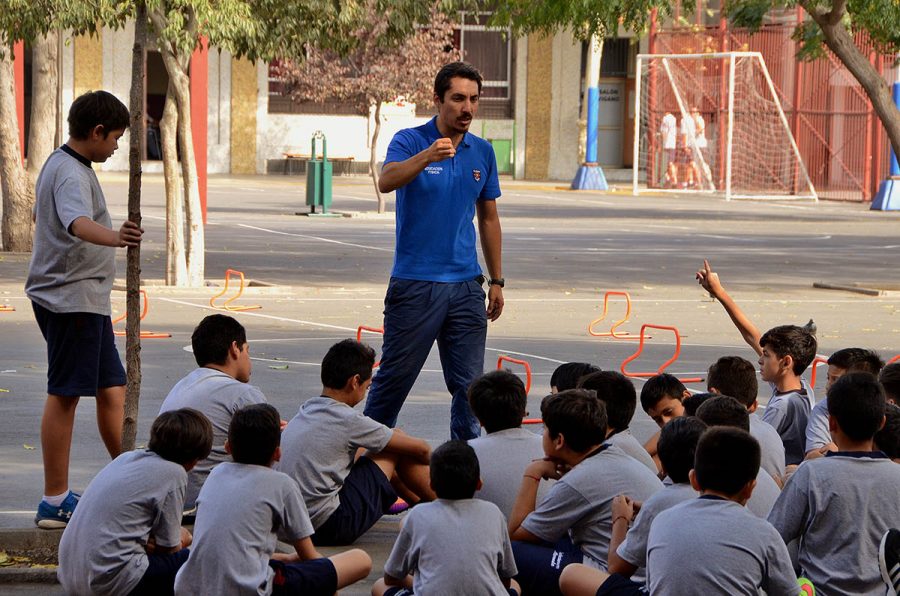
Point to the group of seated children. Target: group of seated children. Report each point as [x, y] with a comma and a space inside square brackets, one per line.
[711, 504]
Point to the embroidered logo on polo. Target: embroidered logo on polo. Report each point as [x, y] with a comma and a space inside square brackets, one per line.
[476, 174]
[435, 170]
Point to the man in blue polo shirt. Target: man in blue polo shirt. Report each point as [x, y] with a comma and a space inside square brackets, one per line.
[444, 177]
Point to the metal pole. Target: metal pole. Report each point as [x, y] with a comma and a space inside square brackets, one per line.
[635, 163]
[731, 64]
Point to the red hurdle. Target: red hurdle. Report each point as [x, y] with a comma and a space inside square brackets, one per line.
[665, 364]
[229, 273]
[612, 330]
[144, 310]
[359, 332]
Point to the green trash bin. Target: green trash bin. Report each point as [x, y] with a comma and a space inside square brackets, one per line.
[318, 177]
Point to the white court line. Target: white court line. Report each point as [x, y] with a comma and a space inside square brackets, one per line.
[329, 240]
[260, 315]
[525, 354]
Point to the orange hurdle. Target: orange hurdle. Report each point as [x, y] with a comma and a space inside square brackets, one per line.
[7, 308]
[359, 331]
[144, 310]
[815, 366]
[527, 366]
[227, 304]
[894, 359]
[612, 330]
[665, 364]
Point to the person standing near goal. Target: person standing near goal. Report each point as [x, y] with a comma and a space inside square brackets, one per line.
[668, 131]
[444, 177]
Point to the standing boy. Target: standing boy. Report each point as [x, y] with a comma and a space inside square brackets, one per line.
[125, 537]
[444, 177]
[455, 546]
[345, 494]
[243, 507]
[69, 280]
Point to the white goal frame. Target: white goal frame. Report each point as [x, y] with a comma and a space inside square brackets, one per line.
[808, 194]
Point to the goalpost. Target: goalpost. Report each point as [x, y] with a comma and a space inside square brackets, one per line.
[713, 123]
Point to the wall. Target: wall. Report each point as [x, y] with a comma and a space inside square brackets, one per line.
[565, 94]
[117, 50]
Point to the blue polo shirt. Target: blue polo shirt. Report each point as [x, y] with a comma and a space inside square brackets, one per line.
[435, 233]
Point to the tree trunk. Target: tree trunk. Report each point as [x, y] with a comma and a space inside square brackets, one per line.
[840, 41]
[18, 196]
[44, 106]
[373, 156]
[133, 255]
[176, 266]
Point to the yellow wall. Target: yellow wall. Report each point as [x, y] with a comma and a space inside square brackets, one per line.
[243, 117]
[539, 97]
[88, 64]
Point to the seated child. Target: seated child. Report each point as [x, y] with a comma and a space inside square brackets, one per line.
[217, 389]
[890, 382]
[617, 393]
[734, 376]
[711, 544]
[785, 352]
[591, 473]
[818, 439]
[566, 375]
[839, 506]
[243, 505]
[498, 401]
[455, 545]
[661, 398]
[887, 440]
[345, 494]
[723, 410]
[125, 536]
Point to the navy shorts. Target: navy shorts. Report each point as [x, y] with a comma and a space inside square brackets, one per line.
[367, 494]
[314, 577]
[540, 565]
[159, 579]
[395, 591]
[81, 352]
[619, 585]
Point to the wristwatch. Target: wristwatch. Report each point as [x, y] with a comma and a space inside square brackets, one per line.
[498, 281]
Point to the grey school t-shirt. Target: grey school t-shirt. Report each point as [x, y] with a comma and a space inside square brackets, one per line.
[634, 548]
[840, 506]
[241, 510]
[714, 546]
[454, 548]
[217, 396]
[68, 274]
[581, 501]
[765, 493]
[625, 441]
[318, 448]
[503, 457]
[137, 495]
[788, 413]
[770, 445]
[817, 432]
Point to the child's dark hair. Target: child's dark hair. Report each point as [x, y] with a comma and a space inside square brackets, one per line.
[344, 360]
[566, 376]
[856, 401]
[677, 445]
[888, 438]
[617, 392]
[660, 386]
[181, 436]
[213, 337]
[726, 460]
[723, 410]
[734, 376]
[578, 415]
[857, 360]
[694, 401]
[254, 434]
[890, 381]
[96, 108]
[498, 400]
[453, 70]
[454, 471]
[790, 340]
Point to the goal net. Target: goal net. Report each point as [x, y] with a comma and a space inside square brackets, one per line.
[713, 123]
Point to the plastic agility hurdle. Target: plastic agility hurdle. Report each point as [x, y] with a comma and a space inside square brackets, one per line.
[144, 310]
[612, 330]
[527, 367]
[894, 359]
[815, 367]
[359, 332]
[227, 304]
[665, 365]
[7, 308]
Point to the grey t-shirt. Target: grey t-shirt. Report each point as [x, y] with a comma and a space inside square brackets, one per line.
[241, 509]
[318, 448]
[714, 546]
[771, 447]
[68, 274]
[788, 413]
[765, 493]
[839, 506]
[503, 457]
[817, 432]
[625, 441]
[137, 495]
[454, 548]
[580, 502]
[634, 548]
[217, 396]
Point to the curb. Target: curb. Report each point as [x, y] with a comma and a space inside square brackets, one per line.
[27, 539]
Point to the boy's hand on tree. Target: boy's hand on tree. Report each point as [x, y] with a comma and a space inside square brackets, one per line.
[130, 234]
[709, 279]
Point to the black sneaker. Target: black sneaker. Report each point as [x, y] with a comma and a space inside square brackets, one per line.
[889, 560]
